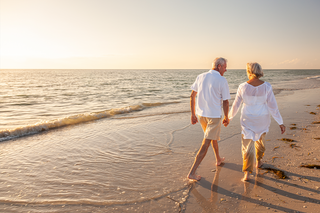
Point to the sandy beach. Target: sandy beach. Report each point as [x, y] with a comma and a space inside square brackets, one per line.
[221, 190]
[140, 163]
[95, 105]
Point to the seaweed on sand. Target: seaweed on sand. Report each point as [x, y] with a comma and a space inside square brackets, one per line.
[316, 122]
[294, 127]
[293, 145]
[313, 113]
[279, 173]
[287, 139]
[276, 148]
[275, 158]
[311, 166]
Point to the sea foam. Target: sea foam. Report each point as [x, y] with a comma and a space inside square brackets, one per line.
[72, 120]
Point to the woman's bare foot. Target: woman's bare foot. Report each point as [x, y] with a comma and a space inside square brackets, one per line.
[246, 177]
[259, 164]
[194, 177]
[220, 161]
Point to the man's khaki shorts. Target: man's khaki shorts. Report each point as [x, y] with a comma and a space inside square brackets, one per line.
[211, 127]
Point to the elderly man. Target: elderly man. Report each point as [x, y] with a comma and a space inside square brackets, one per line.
[212, 90]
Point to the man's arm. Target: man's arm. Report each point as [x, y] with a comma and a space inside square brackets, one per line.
[194, 118]
[226, 112]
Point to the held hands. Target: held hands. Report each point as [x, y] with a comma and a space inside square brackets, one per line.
[282, 128]
[226, 121]
[194, 119]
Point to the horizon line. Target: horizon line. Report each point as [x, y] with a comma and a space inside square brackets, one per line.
[150, 68]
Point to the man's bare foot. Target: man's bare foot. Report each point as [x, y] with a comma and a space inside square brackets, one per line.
[194, 177]
[259, 164]
[246, 177]
[220, 161]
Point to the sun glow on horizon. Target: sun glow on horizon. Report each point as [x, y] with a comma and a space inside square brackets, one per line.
[128, 34]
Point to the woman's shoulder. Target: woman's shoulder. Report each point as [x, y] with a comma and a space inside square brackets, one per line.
[243, 84]
[268, 87]
[267, 84]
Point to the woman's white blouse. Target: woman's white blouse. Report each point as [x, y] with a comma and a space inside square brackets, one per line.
[258, 104]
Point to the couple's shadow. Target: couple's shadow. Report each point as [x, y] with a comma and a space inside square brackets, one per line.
[213, 202]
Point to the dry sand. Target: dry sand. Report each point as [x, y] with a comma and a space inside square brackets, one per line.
[221, 190]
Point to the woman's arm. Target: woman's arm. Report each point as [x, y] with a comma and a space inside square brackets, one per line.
[273, 107]
[236, 104]
[274, 111]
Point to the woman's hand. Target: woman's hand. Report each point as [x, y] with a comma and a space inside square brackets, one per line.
[283, 128]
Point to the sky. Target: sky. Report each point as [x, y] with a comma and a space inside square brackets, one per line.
[158, 34]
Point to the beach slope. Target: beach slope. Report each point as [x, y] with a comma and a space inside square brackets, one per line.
[297, 190]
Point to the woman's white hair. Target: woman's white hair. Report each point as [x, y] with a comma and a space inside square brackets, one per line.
[218, 61]
[254, 69]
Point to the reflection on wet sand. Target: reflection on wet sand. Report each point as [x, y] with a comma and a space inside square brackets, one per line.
[246, 196]
[208, 205]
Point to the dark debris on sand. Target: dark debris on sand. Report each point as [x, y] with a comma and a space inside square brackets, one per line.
[276, 147]
[311, 166]
[293, 145]
[287, 140]
[275, 158]
[279, 173]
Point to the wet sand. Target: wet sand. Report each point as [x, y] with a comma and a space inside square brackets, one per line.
[76, 160]
[221, 188]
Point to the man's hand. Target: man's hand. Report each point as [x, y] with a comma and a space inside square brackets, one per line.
[194, 119]
[226, 121]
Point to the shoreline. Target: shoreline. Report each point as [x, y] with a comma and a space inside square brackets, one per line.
[221, 189]
[169, 143]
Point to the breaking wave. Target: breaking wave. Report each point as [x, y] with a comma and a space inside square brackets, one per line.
[9, 134]
[317, 77]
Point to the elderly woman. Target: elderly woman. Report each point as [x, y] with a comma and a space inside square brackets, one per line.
[258, 103]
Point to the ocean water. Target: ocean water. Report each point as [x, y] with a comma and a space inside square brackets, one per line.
[38, 100]
[104, 140]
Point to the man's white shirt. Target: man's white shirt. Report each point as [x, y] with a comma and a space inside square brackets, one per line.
[212, 89]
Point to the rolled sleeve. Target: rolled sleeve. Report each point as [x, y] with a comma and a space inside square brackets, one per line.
[194, 86]
[225, 91]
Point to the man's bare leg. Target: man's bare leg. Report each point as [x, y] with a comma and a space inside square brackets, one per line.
[215, 147]
[200, 155]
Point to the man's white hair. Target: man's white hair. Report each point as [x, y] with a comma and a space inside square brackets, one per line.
[218, 61]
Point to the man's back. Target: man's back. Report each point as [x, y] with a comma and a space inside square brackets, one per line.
[211, 89]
